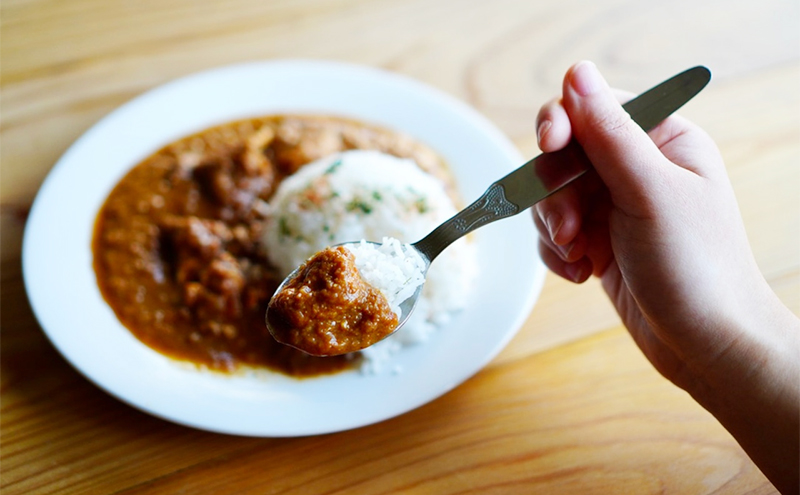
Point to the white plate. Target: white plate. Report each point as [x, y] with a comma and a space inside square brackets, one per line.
[60, 281]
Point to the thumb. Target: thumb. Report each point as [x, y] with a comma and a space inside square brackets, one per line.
[626, 159]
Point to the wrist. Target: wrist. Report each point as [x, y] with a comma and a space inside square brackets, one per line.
[753, 389]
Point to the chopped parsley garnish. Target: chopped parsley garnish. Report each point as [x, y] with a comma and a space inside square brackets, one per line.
[336, 164]
[283, 227]
[357, 204]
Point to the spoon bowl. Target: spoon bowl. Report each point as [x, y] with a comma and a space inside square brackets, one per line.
[327, 310]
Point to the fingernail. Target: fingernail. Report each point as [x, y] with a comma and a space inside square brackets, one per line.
[576, 272]
[553, 222]
[586, 79]
[566, 249]
[544, 126]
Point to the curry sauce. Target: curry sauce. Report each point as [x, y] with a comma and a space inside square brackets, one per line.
[176, 246]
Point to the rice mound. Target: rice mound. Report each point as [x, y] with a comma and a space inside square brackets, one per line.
[361, 194]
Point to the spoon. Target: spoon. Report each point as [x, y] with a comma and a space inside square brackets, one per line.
[532, 182]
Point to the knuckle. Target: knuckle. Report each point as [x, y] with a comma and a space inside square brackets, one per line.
[611, 122]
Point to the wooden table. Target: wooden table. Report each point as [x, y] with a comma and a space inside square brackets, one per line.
[570, 406]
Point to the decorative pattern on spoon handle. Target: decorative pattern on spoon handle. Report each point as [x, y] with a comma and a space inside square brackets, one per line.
[490, 207]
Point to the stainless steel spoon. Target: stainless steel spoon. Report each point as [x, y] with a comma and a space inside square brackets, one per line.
[542, 176]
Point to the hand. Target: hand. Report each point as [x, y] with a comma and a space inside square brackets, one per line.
[658, 222]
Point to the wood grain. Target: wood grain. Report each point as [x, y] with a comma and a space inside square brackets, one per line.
[570, 406]
[591, 415]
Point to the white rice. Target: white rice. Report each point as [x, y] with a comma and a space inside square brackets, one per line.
[395, 269]
[370, 195]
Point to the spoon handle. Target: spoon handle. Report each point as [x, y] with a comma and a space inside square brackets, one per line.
[549, 172]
